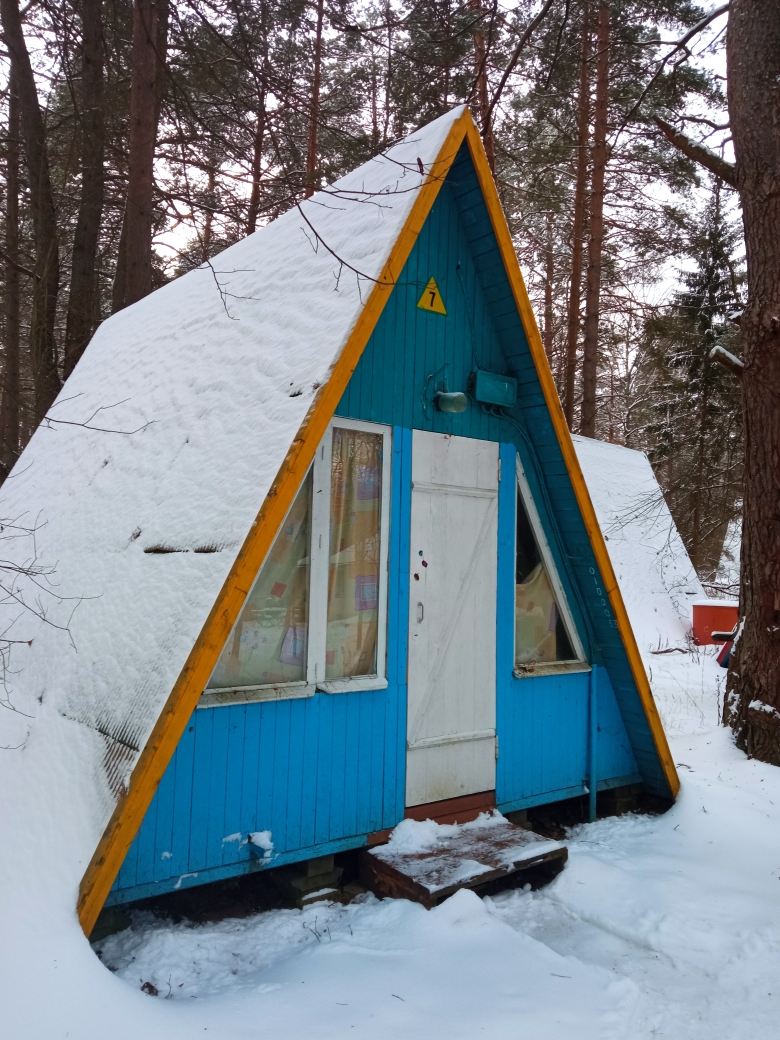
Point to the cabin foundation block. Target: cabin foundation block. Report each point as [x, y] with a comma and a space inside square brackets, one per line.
[619, 800]
[309, 882]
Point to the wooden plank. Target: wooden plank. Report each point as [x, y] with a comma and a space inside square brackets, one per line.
[364, 749]
[217, 781]
[182, 803]
[351, 786]
[336, 826]
[472, 856]
[250, 771]
[311, 747]
[265, 767]
[376, 790]
[234, 770]
[201, 774]
[453, 810]
[281, 778]
[163, 840]
[324, 762]
[295, 770]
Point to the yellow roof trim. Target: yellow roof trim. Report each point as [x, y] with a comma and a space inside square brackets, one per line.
[498, 220]
[158, 751]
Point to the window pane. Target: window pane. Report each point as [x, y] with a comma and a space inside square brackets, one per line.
[540, 633]
[353, 571]
[268, 644]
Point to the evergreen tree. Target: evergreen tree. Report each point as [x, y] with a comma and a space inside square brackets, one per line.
[694, 425]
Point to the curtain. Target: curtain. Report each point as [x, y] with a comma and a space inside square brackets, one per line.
[353, 570]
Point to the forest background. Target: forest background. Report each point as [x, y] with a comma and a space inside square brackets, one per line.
[138, 138]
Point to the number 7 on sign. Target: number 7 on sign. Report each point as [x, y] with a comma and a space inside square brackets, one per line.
[431, 299]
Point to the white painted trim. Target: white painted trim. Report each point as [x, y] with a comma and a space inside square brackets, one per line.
[551, 668]
[455, 738]
[254, 694]
[547, 558]
[354, 683]
[457, 489]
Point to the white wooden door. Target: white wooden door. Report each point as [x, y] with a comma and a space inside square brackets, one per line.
[451, 727]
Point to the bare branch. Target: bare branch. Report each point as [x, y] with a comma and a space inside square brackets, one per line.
[513, 61]
[699, 153]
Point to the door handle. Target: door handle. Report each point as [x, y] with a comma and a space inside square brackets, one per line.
[420, 613]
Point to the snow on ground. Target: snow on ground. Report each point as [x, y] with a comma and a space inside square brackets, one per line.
[658, 926]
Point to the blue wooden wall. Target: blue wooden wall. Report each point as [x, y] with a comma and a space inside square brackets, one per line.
[323, 772]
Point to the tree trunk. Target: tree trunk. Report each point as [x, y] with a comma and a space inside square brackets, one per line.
[482, 92]
[575, 288]
[257, 146]
[596, 229]
[43, 348]
[388, 9]
[208, 229]
[9, 401]
[752, 704]
[314, 115]
[133, 278]
[83, 301]
[549, 274]
[374, 104]
[257, 163]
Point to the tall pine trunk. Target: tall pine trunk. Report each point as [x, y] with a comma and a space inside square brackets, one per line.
[578, 223]
[83, 301]
[752, 704]
[549, 274]
[314, 112]
[482, 92]
[9, 400]
[43, 347]
[133, 278]
[590, 352]
[208, 229]
[257, 166]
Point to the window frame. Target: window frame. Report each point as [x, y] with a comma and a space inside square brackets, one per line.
[579, 662]
[319, 562]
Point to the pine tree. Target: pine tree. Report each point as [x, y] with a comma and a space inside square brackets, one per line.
[695, 426]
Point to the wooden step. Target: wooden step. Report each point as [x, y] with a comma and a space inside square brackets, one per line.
[463, 856]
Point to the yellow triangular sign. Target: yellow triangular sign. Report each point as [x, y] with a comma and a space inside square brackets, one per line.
[431, 299]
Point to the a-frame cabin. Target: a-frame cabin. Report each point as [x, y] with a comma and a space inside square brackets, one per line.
[419, 610]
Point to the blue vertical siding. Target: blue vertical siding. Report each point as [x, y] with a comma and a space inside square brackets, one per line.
[323, 772]
[542, 721]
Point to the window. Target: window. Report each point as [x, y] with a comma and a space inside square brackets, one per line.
[268, 643]
[544, 632]
[315, 617]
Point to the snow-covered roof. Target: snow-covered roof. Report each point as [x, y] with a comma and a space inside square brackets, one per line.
[656, 577]
[168, 436]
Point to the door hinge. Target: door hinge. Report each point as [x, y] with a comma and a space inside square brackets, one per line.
[496, 746]
[499, 471]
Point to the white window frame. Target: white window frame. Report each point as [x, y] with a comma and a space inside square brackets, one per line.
[579, 662]
[319, 557]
